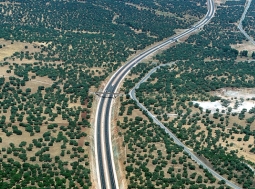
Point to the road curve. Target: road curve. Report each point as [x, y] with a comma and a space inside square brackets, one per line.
[106, 173]
[176, 140]
[240, 26]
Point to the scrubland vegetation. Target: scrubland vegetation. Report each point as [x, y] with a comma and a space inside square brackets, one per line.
[52, 54]
[204, 63]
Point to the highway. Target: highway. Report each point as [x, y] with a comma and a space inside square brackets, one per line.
[105, 167]
[240, 26]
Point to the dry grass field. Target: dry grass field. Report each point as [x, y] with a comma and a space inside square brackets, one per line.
[10, 47]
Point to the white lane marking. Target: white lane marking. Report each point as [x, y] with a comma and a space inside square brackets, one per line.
[111, 150]
[107, 178]
[136, 60]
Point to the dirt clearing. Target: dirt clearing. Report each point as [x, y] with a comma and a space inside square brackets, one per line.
[237, 99]
[244, 46]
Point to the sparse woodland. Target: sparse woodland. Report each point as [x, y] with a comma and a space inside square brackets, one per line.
[56, 51]
[153, 159]
[205, 62]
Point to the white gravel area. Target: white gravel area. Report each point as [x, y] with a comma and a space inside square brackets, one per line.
[239, 99]
[210, 106]
[246, 104]
[217, 105]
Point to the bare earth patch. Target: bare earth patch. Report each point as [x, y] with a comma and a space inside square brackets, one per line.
[244, 46]
[218, 2]
[9, 48]
[9, 3]
[234, 96]
[137, 6]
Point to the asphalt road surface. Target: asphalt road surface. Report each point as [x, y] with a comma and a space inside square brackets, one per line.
[240, 26]
[176, 140]
[106, 173]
